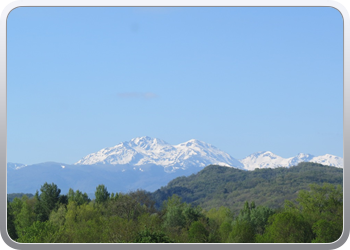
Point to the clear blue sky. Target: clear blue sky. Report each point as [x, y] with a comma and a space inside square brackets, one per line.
[242, 79]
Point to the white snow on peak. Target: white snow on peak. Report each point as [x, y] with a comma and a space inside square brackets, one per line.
[330, 160]
[142, 151]
[266, 159]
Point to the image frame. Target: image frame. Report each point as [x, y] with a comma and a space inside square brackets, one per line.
[172, 3]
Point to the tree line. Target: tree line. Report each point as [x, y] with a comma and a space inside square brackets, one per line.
[51, 217]
[216, 186]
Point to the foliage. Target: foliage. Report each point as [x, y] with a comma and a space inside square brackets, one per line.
[256, 216]
[288, 227]
[40, 232]
[147, 236]
[197, 233]
[11, 222]
[101, 194]
[11, 196]
[78, 197]
[316, 215]
[326, 231]
[322, 207]
[216, 186]
[46, 201]
[242, 232]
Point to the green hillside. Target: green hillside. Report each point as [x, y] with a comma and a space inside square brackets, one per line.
[216, 186]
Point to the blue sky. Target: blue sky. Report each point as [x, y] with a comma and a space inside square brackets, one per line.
[242, 79]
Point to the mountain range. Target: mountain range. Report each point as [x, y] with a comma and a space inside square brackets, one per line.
[145, 150]
[145, 163]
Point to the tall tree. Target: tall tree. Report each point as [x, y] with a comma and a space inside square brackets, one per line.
[101, 194]
[288, 227]
[47, 200]
[77, 196]
[322, 207]
[11, 230]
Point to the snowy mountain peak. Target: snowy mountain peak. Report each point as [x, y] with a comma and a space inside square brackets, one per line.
[267, 159]
[328, 159]
[143, 151]
[146, 140]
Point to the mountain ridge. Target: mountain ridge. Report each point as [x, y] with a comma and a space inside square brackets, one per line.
[147, 163]
[147, 150]
[143, 151]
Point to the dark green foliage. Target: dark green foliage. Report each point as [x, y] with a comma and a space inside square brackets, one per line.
[216, 186]
[288, 227]
[78, 197]
[178, 215]
[242, 232]
[11, 230]
[129, 206]
[321, 202]
[326, 231]
[197, 233]
[47, 201]
[173, 216]
[101, 194]
[322, 207]
[256, 216]
[316, 215]
[225, 230]
[63, 199]
[40, 232]
[259, 218]
[146, 236]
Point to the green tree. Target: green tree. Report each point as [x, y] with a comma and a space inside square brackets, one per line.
[242, 232]
[219, 221]
[58, 217]
[197, 233]
[326, 231]
[321, 202]
[147, 236]
[101, 194]
[259, 217]
[288, 227]
[41, 232]
[173, 217]
[84, 224]
[124, 206]
[47, 201]
[220, 215]
[224, 230]
[25, 218]
[77, 196]
[11, 230]
[322, 208]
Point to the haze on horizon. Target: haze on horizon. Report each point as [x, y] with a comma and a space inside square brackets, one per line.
[244, 79]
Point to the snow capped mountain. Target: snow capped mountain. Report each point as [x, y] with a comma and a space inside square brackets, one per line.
[266, 159]
[330, 160]
[143, 163]
[143, 151]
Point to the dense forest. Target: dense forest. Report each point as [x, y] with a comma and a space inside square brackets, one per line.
[216, 186]
[315, 215]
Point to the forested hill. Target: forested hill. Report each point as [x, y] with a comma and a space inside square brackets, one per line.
[216, 186]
